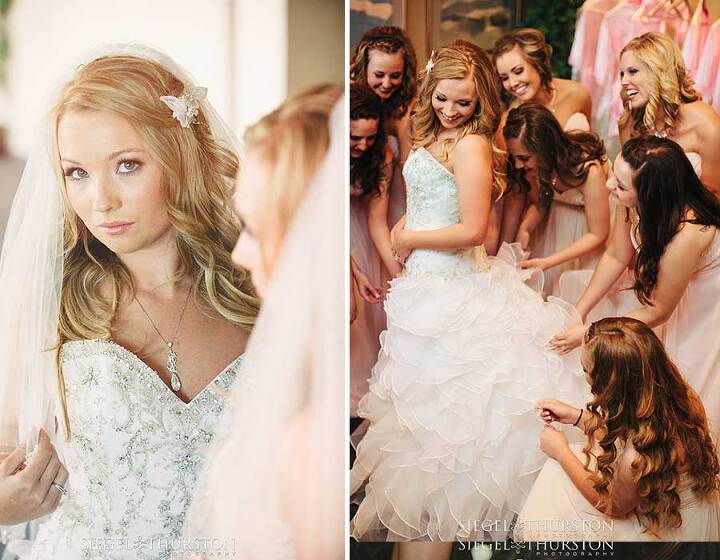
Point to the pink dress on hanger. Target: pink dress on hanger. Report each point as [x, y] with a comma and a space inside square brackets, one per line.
[706, 78]
[584, 47]
[696, 36]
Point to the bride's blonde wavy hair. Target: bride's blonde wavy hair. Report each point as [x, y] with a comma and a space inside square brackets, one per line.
[292, 141]
[452, 62]
[669, 83]
[639, 394]
[197, 177]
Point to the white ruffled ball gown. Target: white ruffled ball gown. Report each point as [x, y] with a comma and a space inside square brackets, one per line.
[452, 442]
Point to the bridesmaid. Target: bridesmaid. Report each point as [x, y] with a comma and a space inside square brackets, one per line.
[372, 261]
[565, 173]
[648, 450]
[666, 227]
[523, 63]
[660, 100]
[384, 59]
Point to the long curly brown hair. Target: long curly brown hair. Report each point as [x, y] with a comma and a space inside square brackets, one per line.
[669, 194]
[535, 51]
[452, 62]
[557, 151]
[388, 39]
[639, 395]
[368, 171]
[670, 82]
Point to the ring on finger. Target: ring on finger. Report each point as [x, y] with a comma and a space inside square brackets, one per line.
[60, 488]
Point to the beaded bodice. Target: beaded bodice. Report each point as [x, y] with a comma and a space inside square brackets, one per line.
[432, 203]
[134, 457]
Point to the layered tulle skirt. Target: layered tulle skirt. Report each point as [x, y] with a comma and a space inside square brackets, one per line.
[451, 443]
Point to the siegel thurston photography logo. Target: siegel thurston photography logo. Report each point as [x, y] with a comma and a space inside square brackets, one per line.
[575, 549]
[177, 547]
[576, 538]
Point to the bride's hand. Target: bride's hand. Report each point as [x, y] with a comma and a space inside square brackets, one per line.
[27, 492]
[569, 340]
[399, 226]
[398, 239]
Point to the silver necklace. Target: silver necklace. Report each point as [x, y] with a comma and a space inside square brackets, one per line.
[660, 133]
[175, 382]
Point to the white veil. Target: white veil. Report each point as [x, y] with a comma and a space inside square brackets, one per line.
[31, 270]
[275, 484]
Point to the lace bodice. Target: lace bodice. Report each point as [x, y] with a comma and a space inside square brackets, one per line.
[134, 457]
[432, 203]
[432, 198]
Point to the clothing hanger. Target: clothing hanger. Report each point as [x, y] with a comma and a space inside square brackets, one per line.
[663, 5]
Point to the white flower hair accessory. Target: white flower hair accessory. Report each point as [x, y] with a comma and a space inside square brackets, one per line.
[430, 63]
[185, 108]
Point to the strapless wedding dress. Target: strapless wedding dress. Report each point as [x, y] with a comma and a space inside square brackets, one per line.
[134, 458]
[452, 442]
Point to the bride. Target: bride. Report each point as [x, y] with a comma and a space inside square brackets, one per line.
[124, 320]
[451, 448]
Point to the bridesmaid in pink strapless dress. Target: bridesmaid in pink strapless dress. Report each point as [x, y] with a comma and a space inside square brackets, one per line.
[371, 160]
[679, 292]
[569, 234]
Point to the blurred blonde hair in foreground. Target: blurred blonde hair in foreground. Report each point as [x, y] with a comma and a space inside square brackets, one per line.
[292, 140]
[275, 485]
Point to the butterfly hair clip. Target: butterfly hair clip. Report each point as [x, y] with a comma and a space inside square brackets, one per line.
[185, 108]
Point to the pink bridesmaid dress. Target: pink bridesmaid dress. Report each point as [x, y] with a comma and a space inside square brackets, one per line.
[370, 322]
[691, 337]
[556, 511]
[564, 224]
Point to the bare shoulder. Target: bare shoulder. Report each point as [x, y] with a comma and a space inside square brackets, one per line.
[693, 236]
[596, 171]
[699, 116]
[472, 145]
[570, 89]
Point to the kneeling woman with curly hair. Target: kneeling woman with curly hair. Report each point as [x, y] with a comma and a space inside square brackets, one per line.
[650, 467]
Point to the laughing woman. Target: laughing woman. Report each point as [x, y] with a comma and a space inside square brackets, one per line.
[660, 100]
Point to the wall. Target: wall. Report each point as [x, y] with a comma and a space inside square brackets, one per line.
[46, 37]
[325, 61]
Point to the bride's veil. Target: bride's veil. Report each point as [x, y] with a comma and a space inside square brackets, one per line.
[31, 270]
[275, 483]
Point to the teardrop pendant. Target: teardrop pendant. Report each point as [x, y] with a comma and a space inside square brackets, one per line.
[175, 382]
